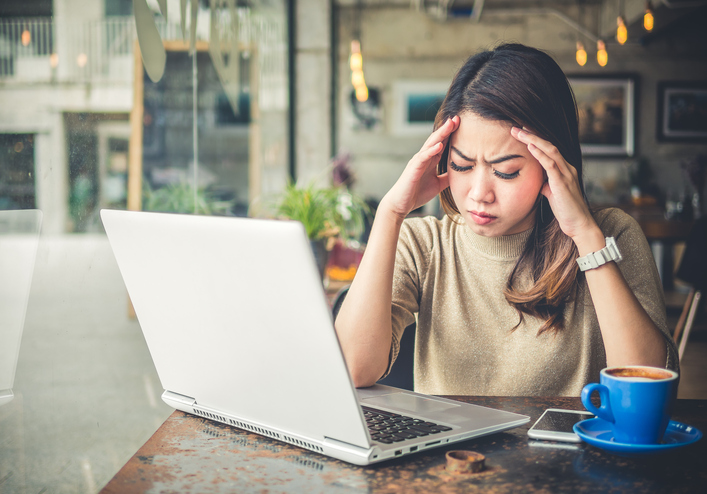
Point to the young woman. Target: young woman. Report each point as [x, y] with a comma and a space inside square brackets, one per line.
[507, 301]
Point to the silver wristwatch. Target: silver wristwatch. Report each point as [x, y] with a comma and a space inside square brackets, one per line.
[596, 259]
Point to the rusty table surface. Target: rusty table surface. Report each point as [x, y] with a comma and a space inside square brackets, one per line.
[193, 454]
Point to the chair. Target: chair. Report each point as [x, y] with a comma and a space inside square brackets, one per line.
[401, 375]
[687, 319]
[692, 270]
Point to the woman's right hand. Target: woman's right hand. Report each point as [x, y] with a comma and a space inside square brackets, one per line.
[364, 323]
[419, 182]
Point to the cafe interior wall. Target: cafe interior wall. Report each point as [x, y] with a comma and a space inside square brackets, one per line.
[399, 43]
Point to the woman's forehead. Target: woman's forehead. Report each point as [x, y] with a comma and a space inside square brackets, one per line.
[476, 134]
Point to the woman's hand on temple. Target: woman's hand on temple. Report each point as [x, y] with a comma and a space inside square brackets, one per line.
[419, 182]
[561, 188]
[364, 323]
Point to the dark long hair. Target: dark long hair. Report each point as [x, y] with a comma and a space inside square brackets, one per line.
[525, 86]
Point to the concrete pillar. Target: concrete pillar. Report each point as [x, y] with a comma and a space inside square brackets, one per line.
[312, 90]
[71, 19]
[52, 176]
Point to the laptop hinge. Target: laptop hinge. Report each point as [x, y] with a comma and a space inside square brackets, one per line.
[169, 397]
[341, 445]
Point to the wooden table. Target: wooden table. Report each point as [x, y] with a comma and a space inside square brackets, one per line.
[192, 454]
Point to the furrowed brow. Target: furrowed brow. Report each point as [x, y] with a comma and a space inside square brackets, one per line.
[504, 158]
[462, 156]
[496, 161]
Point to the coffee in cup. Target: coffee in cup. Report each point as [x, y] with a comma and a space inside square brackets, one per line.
[636, 400]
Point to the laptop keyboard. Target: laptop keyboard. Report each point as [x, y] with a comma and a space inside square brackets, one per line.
[388, 428]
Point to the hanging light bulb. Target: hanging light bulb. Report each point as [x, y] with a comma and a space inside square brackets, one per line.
[356, 65]
[357, 78]
[648, 19]
[581, 54]
[602, 56]
[362, 93]
[356, 59]
[26, 37]
[621, 31]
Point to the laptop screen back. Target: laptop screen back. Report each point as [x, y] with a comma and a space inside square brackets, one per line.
[235, 316]
[19, 238]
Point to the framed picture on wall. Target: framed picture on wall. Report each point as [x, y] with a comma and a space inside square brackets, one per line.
[606, 107]
[415, 105]
[682, 111]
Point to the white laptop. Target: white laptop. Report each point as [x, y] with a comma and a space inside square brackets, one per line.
[240, 331]
[19, 238]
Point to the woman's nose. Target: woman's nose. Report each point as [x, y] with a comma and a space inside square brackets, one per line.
[481, 189]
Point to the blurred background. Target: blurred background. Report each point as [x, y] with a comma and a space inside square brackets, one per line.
[236, 99]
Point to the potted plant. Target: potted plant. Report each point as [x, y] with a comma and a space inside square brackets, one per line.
[328, 214]
[180, 198]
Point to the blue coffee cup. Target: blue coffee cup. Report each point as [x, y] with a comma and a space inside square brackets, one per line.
[636, 400]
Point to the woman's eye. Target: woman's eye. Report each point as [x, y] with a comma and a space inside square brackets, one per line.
[458, 168]
[506, 176]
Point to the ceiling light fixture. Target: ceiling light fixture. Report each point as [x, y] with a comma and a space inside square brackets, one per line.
[621, 31]
[602, 55]
[648, 19]
[581, 54]
[356, 65]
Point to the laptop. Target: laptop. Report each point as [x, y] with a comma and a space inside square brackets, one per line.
[239, 328]
[19, 238]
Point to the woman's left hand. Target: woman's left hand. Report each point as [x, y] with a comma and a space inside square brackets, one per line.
[562, 188]
[629, 335]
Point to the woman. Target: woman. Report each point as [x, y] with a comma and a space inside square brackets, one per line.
[502, 306]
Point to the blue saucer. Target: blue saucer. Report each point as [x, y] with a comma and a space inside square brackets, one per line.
[597, 432]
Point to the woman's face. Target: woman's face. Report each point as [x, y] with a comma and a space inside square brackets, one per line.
[493, 178]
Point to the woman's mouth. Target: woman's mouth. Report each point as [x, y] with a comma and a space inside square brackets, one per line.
[481, 218]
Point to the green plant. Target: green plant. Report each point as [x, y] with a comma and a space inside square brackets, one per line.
[179, 198]
[326, 213]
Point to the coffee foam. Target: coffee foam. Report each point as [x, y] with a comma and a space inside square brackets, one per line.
[640, 373]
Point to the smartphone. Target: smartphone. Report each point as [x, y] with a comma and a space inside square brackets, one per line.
[556, 425]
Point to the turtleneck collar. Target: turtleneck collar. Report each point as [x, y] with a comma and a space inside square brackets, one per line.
[505, 247]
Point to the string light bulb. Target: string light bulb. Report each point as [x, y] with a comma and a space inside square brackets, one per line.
[621, 31]
[362, 93]
[581, 54]
[357, 78]
[648, 19]
[356, 65]
[356, 59]
[602, 55]
[26, 37]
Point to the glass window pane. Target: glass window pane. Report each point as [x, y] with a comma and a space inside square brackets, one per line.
[83, 395]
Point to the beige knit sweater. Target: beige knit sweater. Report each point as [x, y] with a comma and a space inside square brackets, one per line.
[453, 280]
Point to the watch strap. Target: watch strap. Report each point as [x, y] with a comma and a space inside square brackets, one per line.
[595, 259]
